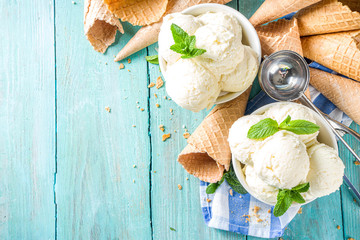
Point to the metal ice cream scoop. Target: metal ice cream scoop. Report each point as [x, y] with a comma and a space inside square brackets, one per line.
[284, 76]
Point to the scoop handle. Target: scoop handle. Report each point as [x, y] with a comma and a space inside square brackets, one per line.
[352, 189]
[309, 103]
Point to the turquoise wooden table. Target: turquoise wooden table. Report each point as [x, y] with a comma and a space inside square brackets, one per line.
[67, 165]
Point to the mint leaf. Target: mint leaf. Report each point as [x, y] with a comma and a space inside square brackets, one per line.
[233, 181]
[178, 34]
[263, 129]
[211, 188]
[296, 197]
[301, 187]
[283, 203]
[285, 122]
[238, 188]
[172, 229]
[300, 127]
[184, 44]
[154, 59]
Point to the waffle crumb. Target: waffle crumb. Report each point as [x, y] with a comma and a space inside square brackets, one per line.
[108, 109]
[165, 136]
[159, 82]
[186, 135]
[187, 178]
[350, 238]
[157, 105]
[172, 111]
[208, 200]
[154, 171]
[141, 109]
[151, 85]
[155, 95]
[165, 97]
[300, 211]
[133, 126]
[338, 227]
[256, 209]
[133, 180]
[129, 60]
[179, 187]
[134, 166]
[269, 211]
[357, 163]
[122, 66]
[259, 220]
[161, 127]
[231, 192]
[129, 70]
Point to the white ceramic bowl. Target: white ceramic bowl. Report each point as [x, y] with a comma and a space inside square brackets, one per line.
[250, 38]
[325, 136]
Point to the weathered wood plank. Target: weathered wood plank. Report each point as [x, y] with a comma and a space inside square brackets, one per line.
[351, 210]
[95, 193]
[27, 120]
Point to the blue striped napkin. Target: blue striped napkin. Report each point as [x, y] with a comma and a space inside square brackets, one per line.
[228, 212]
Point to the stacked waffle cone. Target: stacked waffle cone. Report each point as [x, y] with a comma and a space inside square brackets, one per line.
[343, 92]
[329, 16]
[208, 153]
[337, 51]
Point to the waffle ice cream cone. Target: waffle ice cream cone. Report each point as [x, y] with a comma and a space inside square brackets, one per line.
[337, 51]
[343, 92]
[208, 153]
[329, 16]
[148, 35]
[100, 25]
[273, 9]
[137, 12]
[280, 35]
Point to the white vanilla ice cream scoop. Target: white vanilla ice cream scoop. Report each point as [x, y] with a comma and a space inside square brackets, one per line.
[261, 190]
[224, 51]
[188, 23]
[282, 160]
[241, 146]
[191, 86]
[279, 112]
[326, 170]
[243, 75]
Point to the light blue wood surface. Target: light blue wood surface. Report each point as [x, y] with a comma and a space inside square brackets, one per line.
[67, 165]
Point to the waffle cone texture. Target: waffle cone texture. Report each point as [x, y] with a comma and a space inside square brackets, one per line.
[343, 92]
[208, 152]
[337, 51]
[100, 25]
[329, 16]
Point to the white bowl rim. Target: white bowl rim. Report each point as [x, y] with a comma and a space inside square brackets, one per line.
[323, 128]
[250, 32]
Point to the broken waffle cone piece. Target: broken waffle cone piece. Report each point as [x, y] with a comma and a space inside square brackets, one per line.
[343, 92]
[329, 16]
[280, 35]
[138, 12]
[337, 51]
[208, 153]
[148, 35]
[100, 25]
[273, 9]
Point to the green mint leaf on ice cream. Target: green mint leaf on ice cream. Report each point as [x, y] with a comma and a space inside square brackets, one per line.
[267, 127]
[286, 197]
[184, 44]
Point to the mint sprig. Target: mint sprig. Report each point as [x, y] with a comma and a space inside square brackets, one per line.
[286, 197]
[154, 59]
[184, 44]
[231, 179]
[268, 127]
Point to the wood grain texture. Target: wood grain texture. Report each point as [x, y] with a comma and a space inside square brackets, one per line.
[27, 120]
[99, 194]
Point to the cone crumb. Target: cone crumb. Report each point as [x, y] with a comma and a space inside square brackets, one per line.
[122, 66]
[259, 220]
[231, 192]
[155, 95]
[187, 178]
[141, 109]
[179, 187]
[208, 200]
[165, 136]
[159, 82]
[350, 239]
[134, 166]
[256, 209]
[108, 109]
[338, 227]
[157, 105]
[171, 111]
[269, 211]
[133, 126]
[186, 136]
[300, 211]
[357, 163]
[151, 85]
[165, 97]
[161, 127]
[129, 60]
